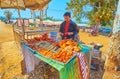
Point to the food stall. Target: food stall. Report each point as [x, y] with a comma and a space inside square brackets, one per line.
[70, 59]
[42, 46]
[24, 29]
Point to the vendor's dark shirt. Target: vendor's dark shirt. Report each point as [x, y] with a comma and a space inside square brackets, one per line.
[71, 28]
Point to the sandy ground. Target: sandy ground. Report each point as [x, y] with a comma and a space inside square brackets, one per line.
[104, 40]
[5, 32]
[111, 75]
[10, 55]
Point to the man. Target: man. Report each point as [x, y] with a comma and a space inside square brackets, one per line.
[68, 28]
[96, 28]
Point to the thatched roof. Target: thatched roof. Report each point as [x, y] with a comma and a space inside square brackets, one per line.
[22, 4]
[17, 4]
[36, 4]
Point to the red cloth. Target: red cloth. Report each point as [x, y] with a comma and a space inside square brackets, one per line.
[66, 28]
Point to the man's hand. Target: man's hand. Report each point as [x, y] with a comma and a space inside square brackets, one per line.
[61, 34]
[70, 33]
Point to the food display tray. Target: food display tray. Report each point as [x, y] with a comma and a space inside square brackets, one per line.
[62, 63]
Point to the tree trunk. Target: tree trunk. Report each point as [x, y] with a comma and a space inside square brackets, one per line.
[113, 59]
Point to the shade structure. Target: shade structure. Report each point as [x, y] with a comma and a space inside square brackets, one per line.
[40, 5]
[22, 4]
[13, 4]
[16, 4]
[36, 4]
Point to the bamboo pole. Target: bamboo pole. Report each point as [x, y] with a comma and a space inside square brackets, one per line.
[19, 13]
[23, 30]
[41, 24]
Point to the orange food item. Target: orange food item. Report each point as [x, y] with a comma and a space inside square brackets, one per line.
[43, 51]
[65, 43]
[75, 48]
[62, 55]
[75, 43]
[69, 42]
[62, 42]
[49, 53]
[67, 47]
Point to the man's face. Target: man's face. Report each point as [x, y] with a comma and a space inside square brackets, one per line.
[67, 18]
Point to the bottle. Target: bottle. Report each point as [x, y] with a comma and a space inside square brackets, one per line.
[53, 35]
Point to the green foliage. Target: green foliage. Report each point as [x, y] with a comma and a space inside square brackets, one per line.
[76, 7]
[49, 18]
[8, 14]
[38, 17]
[103, 9]
[46, 18]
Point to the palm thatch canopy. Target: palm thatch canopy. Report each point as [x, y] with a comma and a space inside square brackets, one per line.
[17, 4]
[22, 4]
[36, 4]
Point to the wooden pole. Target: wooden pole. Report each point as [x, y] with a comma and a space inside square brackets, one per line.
[41, 19]
[19, 13]
[23, 30]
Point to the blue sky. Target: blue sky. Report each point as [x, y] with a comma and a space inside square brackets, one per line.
[56, 9]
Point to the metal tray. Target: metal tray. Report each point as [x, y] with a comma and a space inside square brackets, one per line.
[50, 49]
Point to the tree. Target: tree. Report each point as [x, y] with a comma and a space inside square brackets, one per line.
[49, 18]
[8, 15]
[113, 60]
[115, 38]
[103, 9]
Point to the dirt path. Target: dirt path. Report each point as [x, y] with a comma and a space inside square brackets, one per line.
[6, 33]
[104, 40]
[111, 75]
[10, 60]
[10, 55]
